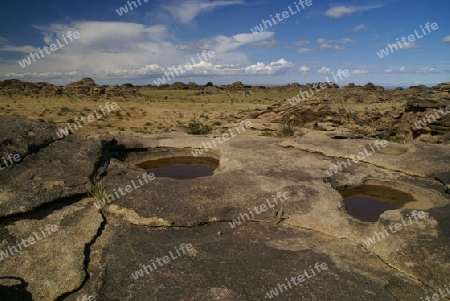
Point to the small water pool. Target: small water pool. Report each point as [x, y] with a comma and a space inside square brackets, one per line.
[181, 168]
[368, 202]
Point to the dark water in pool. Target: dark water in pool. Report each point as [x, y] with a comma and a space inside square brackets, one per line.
[368, 202]
[365, 209]
[181, 168]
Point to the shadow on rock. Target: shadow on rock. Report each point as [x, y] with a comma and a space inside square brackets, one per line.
[15, 292]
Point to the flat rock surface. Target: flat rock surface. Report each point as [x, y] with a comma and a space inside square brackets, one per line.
[100, 249]
[60, 170]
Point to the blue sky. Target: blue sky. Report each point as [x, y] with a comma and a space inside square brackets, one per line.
[306, 46]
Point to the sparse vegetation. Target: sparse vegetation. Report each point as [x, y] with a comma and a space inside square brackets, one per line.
[278, 215]
[198, 128]
[266, 133]
[286, 131]
[97, 191]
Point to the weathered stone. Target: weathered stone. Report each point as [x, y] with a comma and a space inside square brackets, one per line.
[97, 249]
[57, 171]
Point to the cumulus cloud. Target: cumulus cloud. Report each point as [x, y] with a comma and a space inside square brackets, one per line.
[278, 67]
[340, 11]
[186, 11]
[264, 44]
[424, 70]
[128, 50]
[410, 46]
[324, 70]
[201, 68]
[429, 70]
[324, 46]
[302, 42]
[304, 69]
[18, 49]
[359, 27]
[347, 40]
[304, 50]
[446, 39]
[358, 71]
[197, 45]
[224, 43]
[339, 48]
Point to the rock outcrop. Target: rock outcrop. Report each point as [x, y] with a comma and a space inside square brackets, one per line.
[312, 108]
[17, 87]
[131, 248]
[85, 87]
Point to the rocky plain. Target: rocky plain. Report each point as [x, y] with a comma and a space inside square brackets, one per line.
[178, 239]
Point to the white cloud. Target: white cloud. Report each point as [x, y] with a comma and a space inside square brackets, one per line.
[324, 46]
[410, 46]
[203, 68]
[304, 69]
[446, 39]
[264, 44]
[277, 67]
[108, 50]
[359, 27]
[324, 70]
[339, 48]
[304, 50]
[186, 11]
[358, 71]
[424, 70]
[19, 49]
[224, 43]
[429, 70]
[340, 11]
[197, 45]
[347, 40]
[302, 42]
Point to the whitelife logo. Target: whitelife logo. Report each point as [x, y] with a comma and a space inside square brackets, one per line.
[282, 287]
[244, 217]
[319, 87]
[71, 127]
[398, 226]
[146, 177]
[53, 47]
[284, 15]
[10, 158]
[360, 156]
[10, 251]
[207, 146]
[124, 10]
[182, 250]
[432, 118]
[188, 66]
[411, 38]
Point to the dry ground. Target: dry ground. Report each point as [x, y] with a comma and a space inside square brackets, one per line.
[159, 111]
